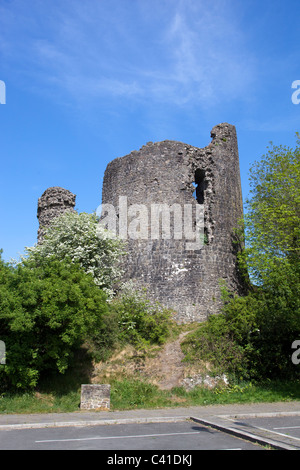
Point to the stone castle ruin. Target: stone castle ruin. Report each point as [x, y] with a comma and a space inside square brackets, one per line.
[175, 176]
[53, 202]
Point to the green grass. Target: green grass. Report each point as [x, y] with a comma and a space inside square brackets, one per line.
[129, 394]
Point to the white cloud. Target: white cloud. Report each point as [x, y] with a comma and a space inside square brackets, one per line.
[174, 52]
[210, 55]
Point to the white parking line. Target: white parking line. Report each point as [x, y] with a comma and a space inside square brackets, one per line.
[278, 433]
[119, 437]
[234, 448]
[288, 427]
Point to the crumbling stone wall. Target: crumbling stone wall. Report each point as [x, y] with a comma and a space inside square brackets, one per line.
[53, 202]
[166, 172]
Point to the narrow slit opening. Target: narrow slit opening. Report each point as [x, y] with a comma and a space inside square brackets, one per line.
[200, 186]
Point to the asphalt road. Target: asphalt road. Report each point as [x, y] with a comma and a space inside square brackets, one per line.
[165, 434]
[181, 436]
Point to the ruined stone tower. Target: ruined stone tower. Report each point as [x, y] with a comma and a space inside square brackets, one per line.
[174, 176]
[169, 172]
[53, 202]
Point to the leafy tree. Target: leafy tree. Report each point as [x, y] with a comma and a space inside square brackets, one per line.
[46, 312]
[272, 256]
[272, 221]
[80, 238]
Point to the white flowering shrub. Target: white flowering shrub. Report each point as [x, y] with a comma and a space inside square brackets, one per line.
[81, 239]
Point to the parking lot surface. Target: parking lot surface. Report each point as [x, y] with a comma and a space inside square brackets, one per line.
[184, 435]
[282, 428]
[222, 427]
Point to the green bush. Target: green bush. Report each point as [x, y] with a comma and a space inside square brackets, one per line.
[214, 343]
[278, 323]
[252, 337]
[131, 319]
[141, 322]
[46, 312]
[49, 308]
[102, 342]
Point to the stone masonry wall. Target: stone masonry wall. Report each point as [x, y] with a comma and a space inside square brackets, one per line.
[53, 202]
[95, 397]
[186, 281]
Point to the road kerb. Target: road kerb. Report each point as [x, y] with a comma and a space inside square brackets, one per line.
[254, 437]
[52, 424]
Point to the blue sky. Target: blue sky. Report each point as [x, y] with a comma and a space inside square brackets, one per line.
[91, 80]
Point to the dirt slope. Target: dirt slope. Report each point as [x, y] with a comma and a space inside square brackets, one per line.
[167, 369]
[163, 367]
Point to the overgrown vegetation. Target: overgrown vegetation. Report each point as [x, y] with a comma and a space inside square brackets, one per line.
[131, 320]
[46, 311]
[141, 322]
[252, 338]
[50, 306]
